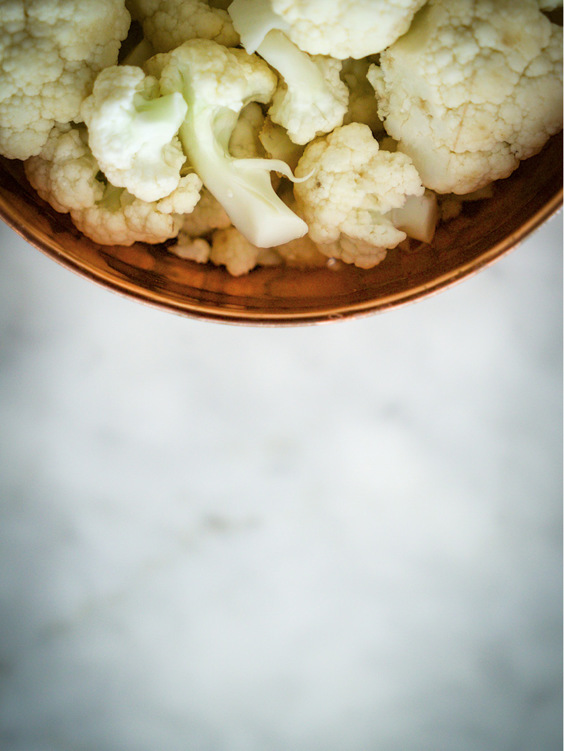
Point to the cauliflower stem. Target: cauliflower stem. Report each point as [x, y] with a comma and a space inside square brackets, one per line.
[216, 83]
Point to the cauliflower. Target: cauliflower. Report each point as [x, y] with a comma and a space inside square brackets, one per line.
[50, 53]
[352, 189]
[355, 251]
[169, 23]
[363, 107]
[207, 216]
[302, 253]
[311, 99]
[132, 132]
[341, 28]
[67, 176]
[244, 142]
[277, 144]
[216, 83]
[474, 87]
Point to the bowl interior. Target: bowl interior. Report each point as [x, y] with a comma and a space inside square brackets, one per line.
[279, 295]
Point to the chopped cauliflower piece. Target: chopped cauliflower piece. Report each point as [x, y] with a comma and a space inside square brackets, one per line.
[310, 99]
[473, 88]
[190, 248]
[67, 176]
[132, 132]
[208, 215]
[50, 53]
[353, 188]
[231, 249]
[341, 28]
[354, 251]
[217, 83]
[169, 23]
[278, 145]
[363, 107]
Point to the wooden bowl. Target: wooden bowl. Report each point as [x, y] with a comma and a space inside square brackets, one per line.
[484, 231]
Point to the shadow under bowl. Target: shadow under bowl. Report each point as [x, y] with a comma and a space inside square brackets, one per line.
[280, 295]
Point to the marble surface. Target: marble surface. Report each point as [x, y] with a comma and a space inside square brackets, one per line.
[333, 538]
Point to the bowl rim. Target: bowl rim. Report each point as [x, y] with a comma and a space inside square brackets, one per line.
[250, 317]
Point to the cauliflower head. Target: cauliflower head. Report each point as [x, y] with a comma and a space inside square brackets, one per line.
[341, 28]
[67, 176]
[352, 188]
[168, 23]
[132, 131]
[50, 53]
[474, 87]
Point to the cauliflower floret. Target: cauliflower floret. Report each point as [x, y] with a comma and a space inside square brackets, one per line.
[208, 215]
[132, 132]
[50, 52]
[121, 219]
[353, 188]
[66, 175]
[168, 23]
[310, 99]
[474, 87]
[341, 28]
[217, 83]
[354, 251]
[231, 249]
[190, 248]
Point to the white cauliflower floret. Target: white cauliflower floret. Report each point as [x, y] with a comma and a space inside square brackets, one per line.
[65, 172]
[169, 23]
[310, 99]
[474, 87]
[67, 176]
[217, 83]
[341, 28]
[132, 132]
[208, 215]
[353, 188]
[231, 249]
[50, 52]
[354, 251]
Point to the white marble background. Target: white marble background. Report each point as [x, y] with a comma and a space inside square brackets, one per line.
[335, 538]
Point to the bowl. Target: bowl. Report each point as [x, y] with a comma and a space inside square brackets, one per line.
[484, 231]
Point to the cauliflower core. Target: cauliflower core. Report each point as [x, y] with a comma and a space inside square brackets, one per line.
[50, 53]
[474, 87]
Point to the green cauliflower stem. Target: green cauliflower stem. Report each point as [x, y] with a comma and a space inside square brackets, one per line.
[217, 83]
